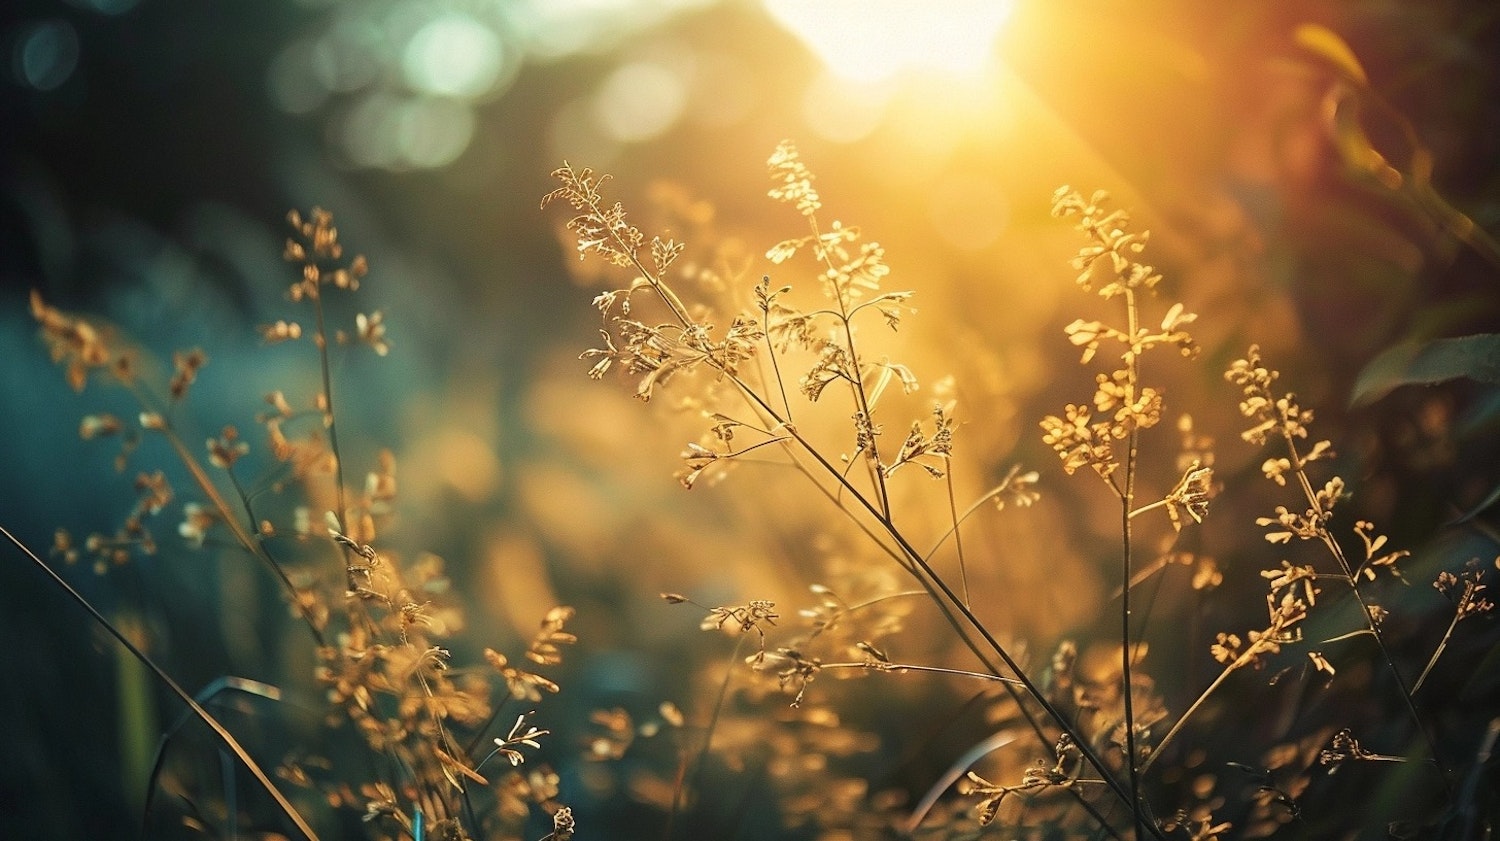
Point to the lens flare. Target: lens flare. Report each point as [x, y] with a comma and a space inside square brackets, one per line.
[873, 40]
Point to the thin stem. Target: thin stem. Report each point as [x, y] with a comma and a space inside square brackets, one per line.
[484, 729]
[444, 743]
[223, 734]
[1127, 655]
[1264, 642]
[1338, 554]
[879, 599]
[958, 541]
[1145, 573]
[1182, 719]
[239, 491]
[1382, 757]
[930, 579]
[765, 325]
[320, 338]
[856, 385]
[232, 522]
[968, 512]
[1160, 503]
[708, 737]
[901, 668]
[864, 527]
[1351, 635]
[1457, 615]
[948, 602]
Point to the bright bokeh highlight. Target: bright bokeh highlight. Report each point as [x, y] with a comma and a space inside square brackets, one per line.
[45, 55]
[639, 101]
[871, 40]
[453, 55]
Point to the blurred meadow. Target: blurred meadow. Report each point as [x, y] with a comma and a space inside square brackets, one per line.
[1321, 179]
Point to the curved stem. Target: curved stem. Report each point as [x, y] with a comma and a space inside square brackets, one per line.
[1127, 655]
[219, 730]
[1160, 503]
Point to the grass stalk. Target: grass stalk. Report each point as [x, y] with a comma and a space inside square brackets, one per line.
[224, 736]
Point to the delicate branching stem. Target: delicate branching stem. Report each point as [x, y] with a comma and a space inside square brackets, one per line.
[948, 602]
[1299, 468]
[239, 490]
[231, 520]
[954, 608]
[856, 386]
[786, 405]
[207, 718]
[888, 596]
[834, 497]
[1266, 642]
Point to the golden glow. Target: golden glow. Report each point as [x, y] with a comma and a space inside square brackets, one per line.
[871, 40]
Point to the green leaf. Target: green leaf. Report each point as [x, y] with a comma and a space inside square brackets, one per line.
[1428, 363]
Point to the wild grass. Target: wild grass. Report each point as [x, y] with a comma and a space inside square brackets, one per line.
[805, 383]
[895, 698]
[411, 743]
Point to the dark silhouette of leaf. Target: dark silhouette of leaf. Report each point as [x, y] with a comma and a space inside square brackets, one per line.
[1411, 363]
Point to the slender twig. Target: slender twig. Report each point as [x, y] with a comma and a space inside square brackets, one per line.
[949, 603]
[1263, 643]
[1160, 503]
[878, 599]
[765, 329]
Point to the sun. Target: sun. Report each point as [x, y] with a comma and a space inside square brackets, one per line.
[875, 40]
